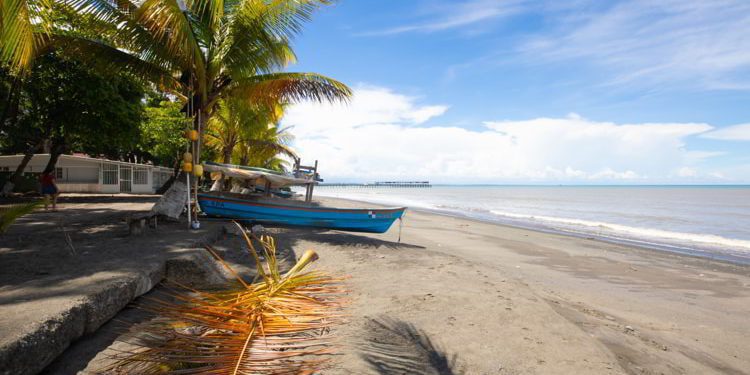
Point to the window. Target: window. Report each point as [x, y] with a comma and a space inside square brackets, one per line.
[4, 169]
[140, 176]
[109, 174]
[59, 173]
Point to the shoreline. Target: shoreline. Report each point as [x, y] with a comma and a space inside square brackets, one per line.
[645, 245]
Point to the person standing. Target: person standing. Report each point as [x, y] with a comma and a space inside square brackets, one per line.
[49, 190]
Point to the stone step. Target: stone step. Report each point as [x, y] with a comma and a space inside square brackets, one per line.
[40, 320]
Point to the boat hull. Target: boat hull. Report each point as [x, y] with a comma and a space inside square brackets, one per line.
[371, 220]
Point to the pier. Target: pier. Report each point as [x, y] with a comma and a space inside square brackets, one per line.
[381, 184]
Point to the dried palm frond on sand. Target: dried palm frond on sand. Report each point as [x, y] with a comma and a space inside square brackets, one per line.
[277, 325]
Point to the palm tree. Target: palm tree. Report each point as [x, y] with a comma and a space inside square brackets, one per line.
[249, 135]
[224, 127]
[235, 122]
[207, 50]
[201, 50]
[263, 147]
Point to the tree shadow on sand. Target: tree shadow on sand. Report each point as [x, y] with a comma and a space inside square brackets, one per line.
[397, 347]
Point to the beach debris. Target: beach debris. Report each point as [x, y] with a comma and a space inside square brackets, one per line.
[68, 240]
[278, 325]
[172, 202]
[629, 329]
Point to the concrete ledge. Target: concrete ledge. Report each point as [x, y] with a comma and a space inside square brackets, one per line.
[68, 317]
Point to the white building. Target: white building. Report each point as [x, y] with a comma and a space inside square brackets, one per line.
[81, 174]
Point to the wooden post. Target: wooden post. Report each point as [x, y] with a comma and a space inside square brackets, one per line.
[268, 188]
[312, 185]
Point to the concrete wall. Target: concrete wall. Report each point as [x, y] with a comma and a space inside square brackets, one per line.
[85, 175]
[79, 188]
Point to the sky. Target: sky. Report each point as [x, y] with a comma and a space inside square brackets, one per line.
[530, 92]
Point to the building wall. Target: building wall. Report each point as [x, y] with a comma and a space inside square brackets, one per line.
[79, 188]
[88, 175]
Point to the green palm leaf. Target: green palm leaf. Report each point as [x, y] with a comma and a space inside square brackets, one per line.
[22, 30]
[9, 214]
[289, 87]
[109, 58]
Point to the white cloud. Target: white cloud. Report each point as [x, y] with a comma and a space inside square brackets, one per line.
[730, 133]
[703, 44]
[454, 15]
[382, 134]
[370, 105]
[687, 172]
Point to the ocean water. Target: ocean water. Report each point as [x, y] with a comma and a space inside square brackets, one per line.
[712, 221]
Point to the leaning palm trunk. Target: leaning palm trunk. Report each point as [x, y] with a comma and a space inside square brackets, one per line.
[279, 325]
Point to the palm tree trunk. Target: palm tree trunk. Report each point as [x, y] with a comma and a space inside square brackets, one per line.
[54, 156]
[227, 152]
[163, 189]
[15, 178]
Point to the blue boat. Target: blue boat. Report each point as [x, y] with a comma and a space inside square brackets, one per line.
[246, 205]
[296, 213]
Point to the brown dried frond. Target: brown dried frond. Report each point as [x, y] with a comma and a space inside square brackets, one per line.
[279, 325]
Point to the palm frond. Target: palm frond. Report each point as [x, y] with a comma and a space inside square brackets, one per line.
[270, 145]
[289, 88]
[131, 36]
[246, 55]
[282, 18]
[173, 28]
[210, 12]
[8, 215]
[279, 325]
[23, 29]
[108, 58]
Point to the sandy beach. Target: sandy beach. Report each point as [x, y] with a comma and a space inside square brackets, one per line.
[458, 296]
[498, 300]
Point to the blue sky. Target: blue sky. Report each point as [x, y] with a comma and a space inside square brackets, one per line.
[579, 91]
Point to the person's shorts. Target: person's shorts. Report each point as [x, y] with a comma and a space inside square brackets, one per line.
[51, 190]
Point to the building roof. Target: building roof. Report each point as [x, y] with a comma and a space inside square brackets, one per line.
[83, 158]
